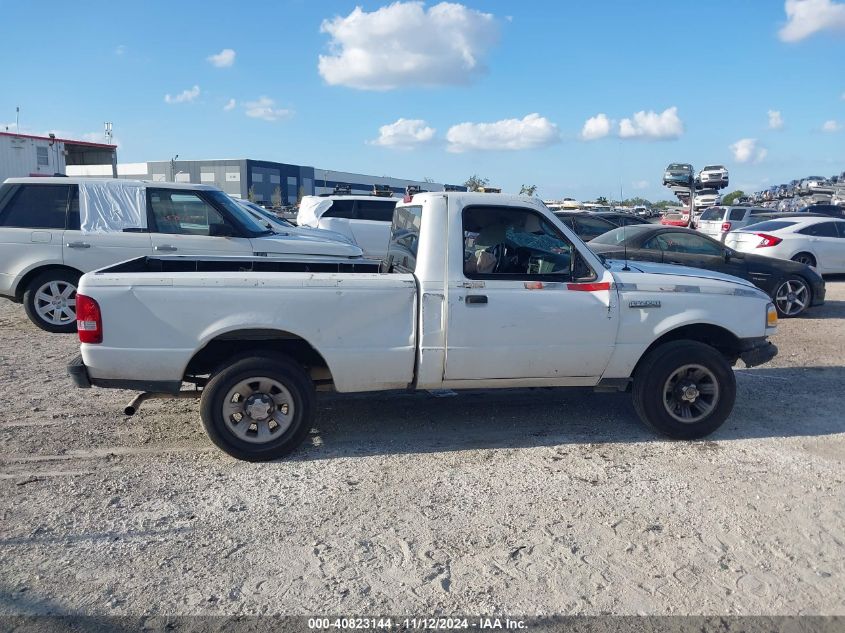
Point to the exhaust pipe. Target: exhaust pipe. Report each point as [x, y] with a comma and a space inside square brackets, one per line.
[136, 402]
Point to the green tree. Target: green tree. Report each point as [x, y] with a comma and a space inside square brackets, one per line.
[732, 197]
[476, 182]
[250, 194]
[602, 201]
[300, 194]
[428, 179]
[276, 198]
[528, 190]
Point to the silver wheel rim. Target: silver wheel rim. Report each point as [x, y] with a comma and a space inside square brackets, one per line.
[258, 410]
[55, 302]
[690, 394]
[792, 297]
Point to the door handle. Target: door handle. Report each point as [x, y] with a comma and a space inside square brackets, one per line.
[166, 248]
[476, 298]
[78, 245]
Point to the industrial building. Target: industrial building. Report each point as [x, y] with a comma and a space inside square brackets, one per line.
[267, 181]
[29, 155]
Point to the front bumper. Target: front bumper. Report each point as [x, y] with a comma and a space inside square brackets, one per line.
[78, 372]
[756, 351]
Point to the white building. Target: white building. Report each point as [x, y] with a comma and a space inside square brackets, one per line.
[28, 155]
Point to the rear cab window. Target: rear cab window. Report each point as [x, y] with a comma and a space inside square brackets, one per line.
[712, 214]
[375, 210]
[340, 209]
[737, 215]
[404, 240]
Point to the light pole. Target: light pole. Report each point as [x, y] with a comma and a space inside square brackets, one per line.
[173, 168]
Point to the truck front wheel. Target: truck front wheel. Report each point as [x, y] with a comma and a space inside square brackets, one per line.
[684, 389]
[258, 408]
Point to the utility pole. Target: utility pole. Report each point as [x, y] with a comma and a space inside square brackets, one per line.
[18, 119]
[173, 168]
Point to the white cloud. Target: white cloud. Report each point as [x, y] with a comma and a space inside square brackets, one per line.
[807, 17]
[120, 50]
[775, 120]
[596, 127]
[748, 150]
[230, 105]
[186, 96]
[508, 134]
[223, 59]
[404, 134]
[652, 126]
[831, 126]
[265, 108]
[640, 184]
[405, 44]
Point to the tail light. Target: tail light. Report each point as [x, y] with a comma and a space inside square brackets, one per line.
[89, 322]
[768, 240]
[726, 226]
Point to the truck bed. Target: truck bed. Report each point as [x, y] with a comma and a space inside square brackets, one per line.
[203, 263]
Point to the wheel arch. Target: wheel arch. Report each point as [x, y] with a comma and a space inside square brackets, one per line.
[720, 338]
[226, 347]
[29, 275]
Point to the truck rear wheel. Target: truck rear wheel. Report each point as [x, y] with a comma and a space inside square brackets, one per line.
[684, 389]
[258, 408]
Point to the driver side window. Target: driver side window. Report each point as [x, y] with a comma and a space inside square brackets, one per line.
[508, 243]
[184, 213]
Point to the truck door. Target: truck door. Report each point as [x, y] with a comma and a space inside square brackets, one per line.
[526, 306]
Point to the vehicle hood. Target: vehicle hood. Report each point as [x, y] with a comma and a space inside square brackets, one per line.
[682, 274]
[304, 244]
[311, 232]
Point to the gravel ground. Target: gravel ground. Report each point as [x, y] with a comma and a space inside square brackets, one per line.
[525, 502]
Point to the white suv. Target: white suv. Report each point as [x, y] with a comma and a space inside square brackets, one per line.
[719, 221]
[366, 219]
[48, 239]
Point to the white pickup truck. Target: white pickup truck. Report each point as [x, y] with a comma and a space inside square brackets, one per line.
[477, 291]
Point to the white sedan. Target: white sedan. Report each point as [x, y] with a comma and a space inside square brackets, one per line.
[815, 241]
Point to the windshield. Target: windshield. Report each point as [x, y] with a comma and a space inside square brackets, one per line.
[240, 214]
[617, 236]
[771, 225]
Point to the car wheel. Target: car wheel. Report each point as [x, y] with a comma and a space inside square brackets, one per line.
[805, 258]
[684, 389]
[259, 408]
[792, 296]
[50, 301]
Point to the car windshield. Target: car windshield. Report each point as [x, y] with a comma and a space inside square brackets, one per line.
[617, 236]
[713, 168]
[708, 192]
[240, 214]
[677, 167]
[769, 225]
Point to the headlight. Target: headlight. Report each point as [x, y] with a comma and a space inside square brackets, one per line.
[771, 316]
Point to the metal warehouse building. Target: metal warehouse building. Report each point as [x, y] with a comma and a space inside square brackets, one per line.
[28, 155]
[265, 178]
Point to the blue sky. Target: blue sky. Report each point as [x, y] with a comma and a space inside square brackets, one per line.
[71, 66]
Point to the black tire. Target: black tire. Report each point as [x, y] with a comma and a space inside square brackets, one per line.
[35, 305]
[220, 428]
[805, 258]
[798, 289]
[652, 377]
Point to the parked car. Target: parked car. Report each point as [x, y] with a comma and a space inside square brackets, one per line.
[678, 174]
[707, 198]
[365, 219]
[52, 230]
[585, 225]
[713, 176]
[618, 219]
[677, 218]
[282, 226]
[816, 241]
[716, 222]
[257, 342]
[838, 197]
[793, 287]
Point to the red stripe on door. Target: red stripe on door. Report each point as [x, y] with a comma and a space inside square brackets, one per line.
[590, 287]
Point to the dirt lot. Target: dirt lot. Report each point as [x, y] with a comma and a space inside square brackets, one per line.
[530, 502]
